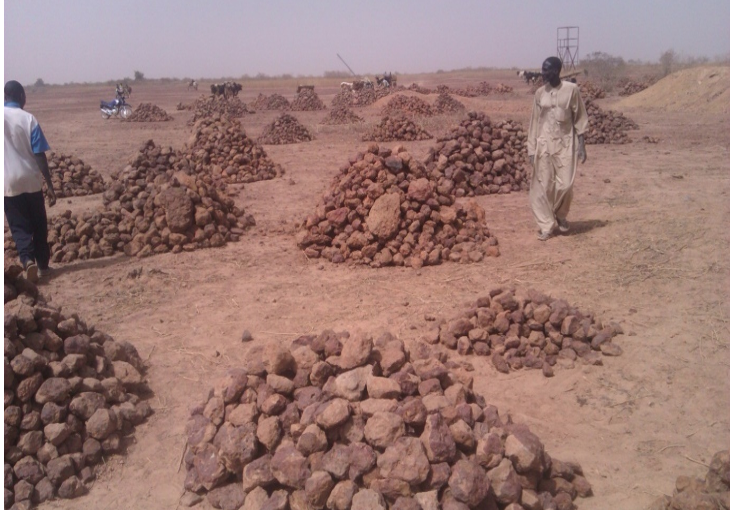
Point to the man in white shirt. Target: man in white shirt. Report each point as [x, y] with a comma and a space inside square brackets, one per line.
[25, 169]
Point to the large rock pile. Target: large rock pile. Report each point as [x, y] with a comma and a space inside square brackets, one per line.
[71, 177]
[480, 157]
[220, 146]
[528, 331]
[607, 126]
[285, 129]
[396, 128]
[382, 210]
[365, 97]
[401, 104]
[212, 106]
[590, 91]
[343, 99]
[341, 115]
[695, 494]
[307, 100]
[148, 112]
[72, 396]
[341, 421]
[273, 102]
[445, 103]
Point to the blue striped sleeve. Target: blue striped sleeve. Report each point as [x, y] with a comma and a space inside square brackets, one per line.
[38, 140]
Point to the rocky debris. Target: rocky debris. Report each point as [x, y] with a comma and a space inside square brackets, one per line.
[607, 126]
[480, 157]
[72, 396]
[307, 100]
[341, 115]
[419, 89]
[481, 89]
[383, 210]
[220, 146]
[697, 494]
[396, 128]
[530, 330]
[273, 102]
[212, 106]
[366, 97]
[333, 449]
[343, 99]
[148, 112]
[285, 129]
[590, 91]
[401, 104]
[629, 87]
[71, 177]
[445, 103]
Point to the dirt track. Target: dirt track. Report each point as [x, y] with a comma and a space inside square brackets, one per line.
[649, 249]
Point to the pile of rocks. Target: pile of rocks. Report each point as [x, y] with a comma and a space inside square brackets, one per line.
[382, 210]
[694, 493]
[220, 146]
[212, 106]
[482, 89]
[342, 421]
[480, 157]
[630, 87]
[285, 129]
[71, 177]
[397, 128]
[341, 115]
[307, 100]
[419, 89]
[365, 97]
[607, 126]
[528, 331]
[72, 397]
[148, 112]
[502, 88]
[343, 99]
[445, 103]
[401, 104]
[589, 91]
[273, 102]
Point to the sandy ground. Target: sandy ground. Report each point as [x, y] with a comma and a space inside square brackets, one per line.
[649, 248]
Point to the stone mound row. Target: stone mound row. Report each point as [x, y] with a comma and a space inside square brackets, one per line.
[480, 157]
[212, 106]
[71, 177]
[590, 91]
[307, 100]
[419, 89]
[396, 128]
[285, 129]
[481, 89]
[694, 494]
[148, 112]
[72, 397]
[528, 331]
[630, 87]
[381, 210]
[401, 104]
[341, 115]
[273, 102]
[341, 421]
[445, 103]
[607, 126]
[220, 146]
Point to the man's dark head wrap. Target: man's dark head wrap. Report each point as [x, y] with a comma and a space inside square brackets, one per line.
[555, 63]
[15, 92]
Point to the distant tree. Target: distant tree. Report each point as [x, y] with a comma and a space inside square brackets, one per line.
[139, 76]
[604, 68]
[668, 60]
[39, 83]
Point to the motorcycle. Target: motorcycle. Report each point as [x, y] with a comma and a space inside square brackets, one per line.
[117, 106]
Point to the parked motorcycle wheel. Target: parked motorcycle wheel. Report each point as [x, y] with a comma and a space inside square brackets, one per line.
[125, 112]
[104, 115]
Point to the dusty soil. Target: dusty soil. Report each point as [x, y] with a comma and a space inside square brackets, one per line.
[648, 247]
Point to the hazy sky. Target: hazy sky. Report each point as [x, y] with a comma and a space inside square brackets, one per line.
[62, 41]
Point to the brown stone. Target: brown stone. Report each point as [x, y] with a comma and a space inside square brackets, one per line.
[290, 467]
[468, 482]
[383, 218]
[405, 460]
[437, 440]
[382, 429]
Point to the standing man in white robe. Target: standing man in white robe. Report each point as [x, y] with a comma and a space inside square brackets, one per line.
[556, 141]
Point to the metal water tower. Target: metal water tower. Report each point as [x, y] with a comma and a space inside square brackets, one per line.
[568, 47]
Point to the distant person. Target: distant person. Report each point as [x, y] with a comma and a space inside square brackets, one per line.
[556, 141]
[26, 167]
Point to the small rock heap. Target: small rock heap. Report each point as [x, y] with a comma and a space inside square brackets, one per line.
[445, 103]
[396, 128]
[528, 331]
[607, 126]
[220, 146]
[212, 106]
[72, 397]
[419, 89]
[343, 99]
[273, 102]
[341, 421]
[694, 494]
[341, 115]
[148, 112]
[480, 157]
[284, 129]
[381, 210]
[71, 177]
[591, 91]
[401, 104]
[307, 100]
[630, 87]
[367, 96]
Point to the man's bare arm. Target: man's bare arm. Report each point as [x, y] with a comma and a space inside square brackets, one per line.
[42, 163]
